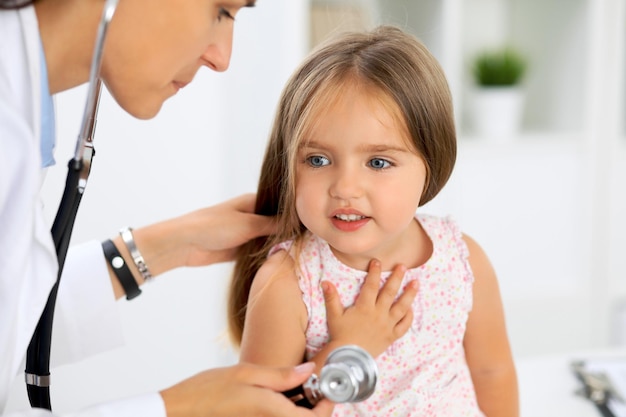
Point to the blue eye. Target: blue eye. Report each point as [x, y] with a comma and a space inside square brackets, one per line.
[317, 161]
[378, 163]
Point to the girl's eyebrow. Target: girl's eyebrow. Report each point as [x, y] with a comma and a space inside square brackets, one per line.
[310, 144]
[384, 148]
[363, 148]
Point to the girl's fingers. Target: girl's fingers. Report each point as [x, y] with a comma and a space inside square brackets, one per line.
[404, 303]
[334, 308]
[389, 292]
[404, 324]
[371, 285]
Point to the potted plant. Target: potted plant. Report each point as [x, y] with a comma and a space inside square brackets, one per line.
[498, 100]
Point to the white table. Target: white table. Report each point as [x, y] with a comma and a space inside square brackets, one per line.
[547, 385]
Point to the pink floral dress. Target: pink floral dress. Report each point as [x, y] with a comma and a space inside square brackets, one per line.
[424, 373]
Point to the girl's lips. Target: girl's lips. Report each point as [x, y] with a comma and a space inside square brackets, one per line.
[348, 220]
[349, 225]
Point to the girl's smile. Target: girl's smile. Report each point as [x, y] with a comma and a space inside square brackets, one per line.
[348, 220]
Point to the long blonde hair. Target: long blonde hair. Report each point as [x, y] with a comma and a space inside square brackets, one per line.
[392, 63]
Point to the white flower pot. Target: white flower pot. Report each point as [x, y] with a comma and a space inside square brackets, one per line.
[496, 112]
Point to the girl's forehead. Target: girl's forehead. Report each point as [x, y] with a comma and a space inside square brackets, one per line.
[345, 94]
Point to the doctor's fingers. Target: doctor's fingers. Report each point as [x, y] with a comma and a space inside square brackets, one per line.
[261, 386]
[238, 215]
[237, 391]
[277, 379]
[270, 402]
[252, 401]
[261, 225]
[225, 226]
[243, 202]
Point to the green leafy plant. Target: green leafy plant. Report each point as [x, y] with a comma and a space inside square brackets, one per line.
[497, 68]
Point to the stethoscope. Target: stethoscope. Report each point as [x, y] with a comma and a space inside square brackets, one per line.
[349, 373]
[79, 167]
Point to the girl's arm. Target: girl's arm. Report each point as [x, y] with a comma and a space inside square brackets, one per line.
[276, 317]
[486, 342]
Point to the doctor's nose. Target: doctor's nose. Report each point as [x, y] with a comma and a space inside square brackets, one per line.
[217, 55]
[346, 185]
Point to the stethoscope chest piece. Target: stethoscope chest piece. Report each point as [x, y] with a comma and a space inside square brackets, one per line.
[349, 375]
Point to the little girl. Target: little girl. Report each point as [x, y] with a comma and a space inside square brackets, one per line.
[364, 135]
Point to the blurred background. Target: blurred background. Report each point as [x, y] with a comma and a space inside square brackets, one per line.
[544, 196]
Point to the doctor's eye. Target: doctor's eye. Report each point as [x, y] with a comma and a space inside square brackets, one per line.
[317, 161]
[223, 13]
[379, 163]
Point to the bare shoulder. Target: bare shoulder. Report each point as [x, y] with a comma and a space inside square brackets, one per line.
[487, 316]
[276, 287]
[478, 259]
[279, 268]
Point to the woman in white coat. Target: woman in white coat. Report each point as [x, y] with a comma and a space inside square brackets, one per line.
[153, 48]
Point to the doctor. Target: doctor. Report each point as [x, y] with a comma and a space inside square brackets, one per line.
[154, 48]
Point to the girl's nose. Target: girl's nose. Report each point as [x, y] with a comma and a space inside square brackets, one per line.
[346, 185]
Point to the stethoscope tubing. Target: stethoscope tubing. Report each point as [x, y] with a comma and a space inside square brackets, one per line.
[38, 352]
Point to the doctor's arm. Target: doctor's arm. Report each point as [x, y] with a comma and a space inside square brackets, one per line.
[202, 237]
[236, 391]
[86, 316]
[486, 343]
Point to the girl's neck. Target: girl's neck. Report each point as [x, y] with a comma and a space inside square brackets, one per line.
[412, 249]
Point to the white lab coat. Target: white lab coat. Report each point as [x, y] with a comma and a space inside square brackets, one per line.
[86, 318]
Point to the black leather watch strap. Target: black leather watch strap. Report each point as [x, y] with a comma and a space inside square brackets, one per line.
[120, 269]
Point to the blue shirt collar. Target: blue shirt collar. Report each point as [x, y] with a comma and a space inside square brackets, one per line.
[48, 129]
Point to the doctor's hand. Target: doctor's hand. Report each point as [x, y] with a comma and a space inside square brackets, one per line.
[378, 317]
[202, 237]
[239, 391]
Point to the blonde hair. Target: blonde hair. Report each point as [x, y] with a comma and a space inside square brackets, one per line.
[385, 61]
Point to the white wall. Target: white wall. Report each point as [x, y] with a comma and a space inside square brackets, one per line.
[204, 147]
